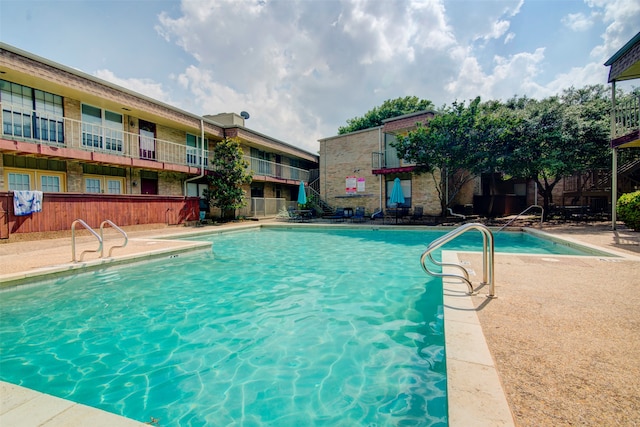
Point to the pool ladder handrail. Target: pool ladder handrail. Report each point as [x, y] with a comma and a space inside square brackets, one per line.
[522, 213]
[73, 240]
[100, 238]
[120, 230]
[487, 257]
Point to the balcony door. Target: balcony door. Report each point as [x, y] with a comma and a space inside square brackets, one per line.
[278, 166]
[147, 140]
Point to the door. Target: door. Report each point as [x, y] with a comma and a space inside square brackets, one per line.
[147, 140]
[278, 166]
[148, 186]
[4, 216]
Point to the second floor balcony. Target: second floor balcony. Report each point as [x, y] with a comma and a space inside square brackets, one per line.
[626, 122]
[388, 162]
[279, 171]
[45, 134]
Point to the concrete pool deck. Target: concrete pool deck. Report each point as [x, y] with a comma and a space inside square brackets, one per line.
[561, 338]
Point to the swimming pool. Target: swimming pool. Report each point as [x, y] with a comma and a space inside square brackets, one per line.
[271, 328]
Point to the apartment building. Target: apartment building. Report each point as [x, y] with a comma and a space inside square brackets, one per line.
[358, 169]
[99, 151]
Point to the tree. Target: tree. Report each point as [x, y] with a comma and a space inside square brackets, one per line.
[447, 149]
[389, 108]
[558, 137]
[229, 173]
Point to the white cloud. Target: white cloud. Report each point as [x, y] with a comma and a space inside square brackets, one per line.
[578, 21]
[621, 18]
[509, 76]
[590, 74]
[302, 68]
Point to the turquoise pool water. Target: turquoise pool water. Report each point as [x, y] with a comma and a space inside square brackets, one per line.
[271, 328]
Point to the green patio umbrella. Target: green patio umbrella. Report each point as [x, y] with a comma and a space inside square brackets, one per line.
[397, 197]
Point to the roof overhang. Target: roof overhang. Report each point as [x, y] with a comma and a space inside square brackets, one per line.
[625, 63]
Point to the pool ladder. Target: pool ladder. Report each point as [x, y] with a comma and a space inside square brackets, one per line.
[487, 257]
[100, 238]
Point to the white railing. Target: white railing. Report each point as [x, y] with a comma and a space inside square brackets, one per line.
[52, 130]
[276, 170]
[264, 206]
[42, 128]
[626, 116]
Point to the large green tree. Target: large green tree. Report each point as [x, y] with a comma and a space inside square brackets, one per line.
[229, 172]
[558, 137]
[449, 148]
[389, 108]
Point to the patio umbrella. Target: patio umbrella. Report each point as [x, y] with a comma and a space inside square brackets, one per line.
[397, 197]
[302, 195]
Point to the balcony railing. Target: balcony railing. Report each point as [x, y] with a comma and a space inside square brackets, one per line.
[276, 170]
[387, 160]
[42, 128]
[626, 117]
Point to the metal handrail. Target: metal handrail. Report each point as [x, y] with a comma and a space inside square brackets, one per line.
[521, 213]
[73, 239]
[126, 238]
[487, 256]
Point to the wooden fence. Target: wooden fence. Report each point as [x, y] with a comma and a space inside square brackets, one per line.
[59, 210]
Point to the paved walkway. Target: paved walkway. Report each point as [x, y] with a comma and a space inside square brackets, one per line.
[562, 334]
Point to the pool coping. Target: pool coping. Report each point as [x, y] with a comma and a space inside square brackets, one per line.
[21, 279]
[475, 393]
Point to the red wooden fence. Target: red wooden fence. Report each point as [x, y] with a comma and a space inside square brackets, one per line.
[59, 210]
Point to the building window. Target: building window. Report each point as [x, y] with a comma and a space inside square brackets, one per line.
[25, 179]
[92, 185]
[50, 184]
[406, 191]
[391, 159]
[114, 186]
[104, 184]
[19, 181]
[260, 162]
[31, 113]
[102, 129]
[194, 150]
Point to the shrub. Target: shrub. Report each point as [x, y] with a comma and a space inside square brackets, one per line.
[628, 210]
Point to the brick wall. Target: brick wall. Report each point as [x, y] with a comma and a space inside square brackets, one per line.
[75, 181]
[406, 122]
[340, 156]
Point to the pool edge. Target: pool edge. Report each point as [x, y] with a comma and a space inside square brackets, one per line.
[474, 391]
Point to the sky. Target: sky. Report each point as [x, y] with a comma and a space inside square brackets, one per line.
[302, 68]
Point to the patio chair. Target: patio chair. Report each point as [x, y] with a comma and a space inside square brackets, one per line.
[359, 216]
[417, 216]
[294, 216]
[338, 216]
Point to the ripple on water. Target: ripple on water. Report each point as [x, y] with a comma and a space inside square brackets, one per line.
[264, 336]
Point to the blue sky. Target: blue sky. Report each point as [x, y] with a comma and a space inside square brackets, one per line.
[303, 68]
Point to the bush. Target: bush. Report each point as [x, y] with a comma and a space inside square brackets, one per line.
[628, 210]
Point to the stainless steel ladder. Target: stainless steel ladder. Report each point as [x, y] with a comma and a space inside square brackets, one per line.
[120, 230]
[100, 238]
[487, 257]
